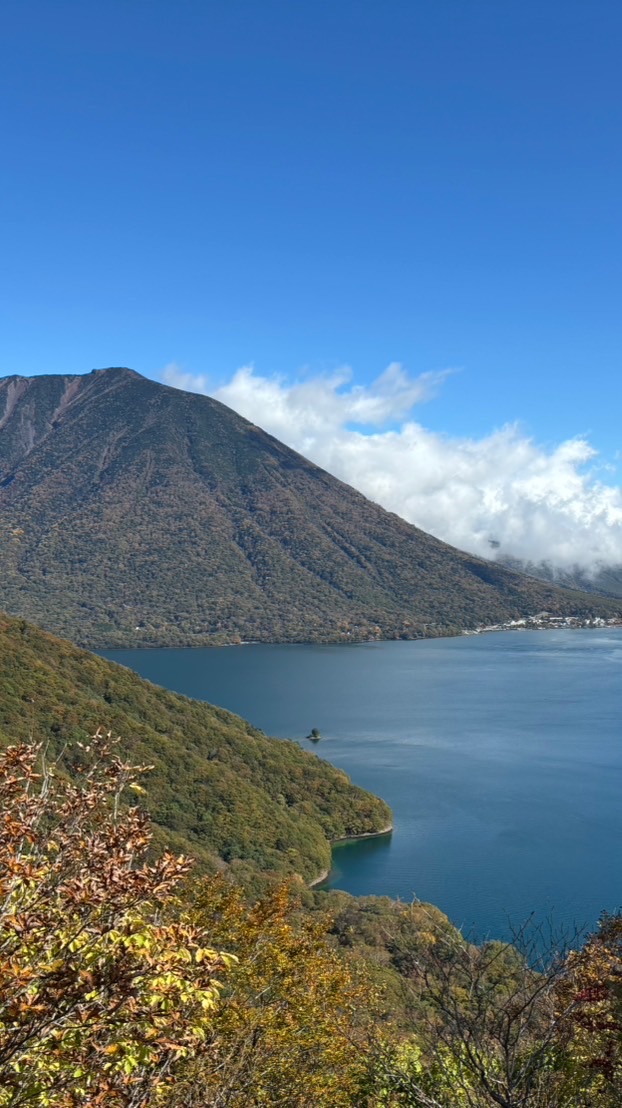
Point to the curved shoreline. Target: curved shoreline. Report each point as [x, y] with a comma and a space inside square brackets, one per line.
[349, 839]
[363, 835]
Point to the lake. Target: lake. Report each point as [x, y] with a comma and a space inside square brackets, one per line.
[500, 754]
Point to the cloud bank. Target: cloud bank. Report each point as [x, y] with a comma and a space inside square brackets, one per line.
[540, 505]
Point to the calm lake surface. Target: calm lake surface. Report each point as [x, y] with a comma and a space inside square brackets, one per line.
[500, 754]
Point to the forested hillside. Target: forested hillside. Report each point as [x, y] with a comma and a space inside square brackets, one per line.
[219, 790]
[124, 985]
[135, 514]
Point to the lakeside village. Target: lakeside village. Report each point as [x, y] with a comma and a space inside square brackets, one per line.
[544, 621]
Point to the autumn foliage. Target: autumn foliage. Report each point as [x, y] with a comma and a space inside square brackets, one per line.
[591, 993]
[101, 997]
[113, 991]
[294, 1023]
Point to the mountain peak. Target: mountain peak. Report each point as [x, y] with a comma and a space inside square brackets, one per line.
[117, 371]
[108, 371]
[133, 513]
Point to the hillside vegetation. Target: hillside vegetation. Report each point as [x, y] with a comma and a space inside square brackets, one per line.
[123, 986]
[135, 514]
[220, 790]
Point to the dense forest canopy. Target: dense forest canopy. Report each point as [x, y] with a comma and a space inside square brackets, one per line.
[219, 789]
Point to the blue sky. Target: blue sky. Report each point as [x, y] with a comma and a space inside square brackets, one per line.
[306, 185]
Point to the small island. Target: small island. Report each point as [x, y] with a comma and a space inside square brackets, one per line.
[314, 735]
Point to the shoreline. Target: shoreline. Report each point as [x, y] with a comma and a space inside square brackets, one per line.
[348, 839]
[608, 624]
[363, 835]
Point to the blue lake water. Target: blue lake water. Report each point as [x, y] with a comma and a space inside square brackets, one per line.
[500, 754]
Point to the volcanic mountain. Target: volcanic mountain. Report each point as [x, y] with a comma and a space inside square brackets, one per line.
[136, 514]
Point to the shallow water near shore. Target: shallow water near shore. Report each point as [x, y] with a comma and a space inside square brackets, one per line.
[500, 754]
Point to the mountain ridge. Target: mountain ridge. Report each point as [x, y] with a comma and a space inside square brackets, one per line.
[132, 513]
[604, 580]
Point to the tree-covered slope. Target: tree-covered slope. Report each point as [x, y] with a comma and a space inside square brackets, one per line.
[136, 514]
[605, 580]
[220, 790]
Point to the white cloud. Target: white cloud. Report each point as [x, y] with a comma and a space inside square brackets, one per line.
[174, 375]
[538, 503]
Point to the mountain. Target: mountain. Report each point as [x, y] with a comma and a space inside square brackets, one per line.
[136, 514]
[219, 790]
[605, 580]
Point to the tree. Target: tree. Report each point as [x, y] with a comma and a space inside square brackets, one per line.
[292, 1024]
[490, 1030]
[590, 997]
[100, 995]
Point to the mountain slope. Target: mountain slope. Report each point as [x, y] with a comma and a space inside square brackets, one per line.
[606, 580]
[132, 513]
[220, 790]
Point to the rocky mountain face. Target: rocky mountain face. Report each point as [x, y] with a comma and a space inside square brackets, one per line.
[136, 514]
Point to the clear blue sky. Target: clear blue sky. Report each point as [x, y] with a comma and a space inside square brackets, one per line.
[318, 182]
